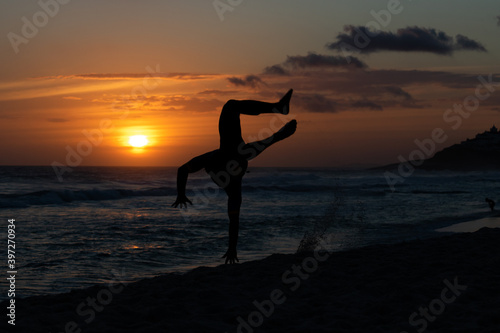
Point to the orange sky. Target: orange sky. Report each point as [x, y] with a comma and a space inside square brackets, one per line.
[131, 70]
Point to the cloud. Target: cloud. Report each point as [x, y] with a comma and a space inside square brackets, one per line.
[217, 92]
[386, 89]
[315, 103]
[322, 61]
[398, 91]
[248, 81]
[498, 18]
[134, 76]
[409, 39]
[57, 120]
[365, 104]
[465, 43]
[155, 103]
[319, 103]
[186, 103]
[407, 99]
[375, 82]
[276, 70]
[314, 60]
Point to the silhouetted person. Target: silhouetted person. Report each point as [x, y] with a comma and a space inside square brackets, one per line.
[491, 203]
[228, 164]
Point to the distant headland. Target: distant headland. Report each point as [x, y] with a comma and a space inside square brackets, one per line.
[478, 154]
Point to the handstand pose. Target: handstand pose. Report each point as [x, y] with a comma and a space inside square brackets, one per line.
[228, 164]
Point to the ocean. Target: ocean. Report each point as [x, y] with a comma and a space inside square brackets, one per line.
[105, 224]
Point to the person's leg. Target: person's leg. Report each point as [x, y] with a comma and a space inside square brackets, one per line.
[229, 120]
[233, 210]
[229, 126]
[252, 149]
[254, 108]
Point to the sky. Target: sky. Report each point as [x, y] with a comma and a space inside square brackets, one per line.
[373, 80]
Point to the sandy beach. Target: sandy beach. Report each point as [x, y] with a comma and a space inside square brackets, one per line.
[473, 226]
[445, 284]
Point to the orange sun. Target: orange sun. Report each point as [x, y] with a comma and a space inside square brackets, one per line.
[138, 141]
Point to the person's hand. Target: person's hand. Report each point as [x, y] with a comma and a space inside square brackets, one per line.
[231, 256]
[181, 201]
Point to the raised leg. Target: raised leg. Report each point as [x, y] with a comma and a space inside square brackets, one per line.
[229, 121]
[253, 149]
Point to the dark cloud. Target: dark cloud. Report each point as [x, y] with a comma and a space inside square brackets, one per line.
[498, 18]
[248, 81]
[364, 104]
[410, 39]
[276, 70]
[364, 82]
[320, 103]
[314, 60]
[315, 103]
[388, 89]
[398, 91]
[465, 43]
[406, 100]
[323, 61]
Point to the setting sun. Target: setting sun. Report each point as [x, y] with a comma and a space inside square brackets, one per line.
[138, 141]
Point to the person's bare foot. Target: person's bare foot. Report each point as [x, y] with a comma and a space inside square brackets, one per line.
[283, 106]
[286, 130]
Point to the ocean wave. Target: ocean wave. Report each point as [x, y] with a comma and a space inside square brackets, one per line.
[438, 192]
[289, 188]
[61, 197]
[50, 197]
[42, 264]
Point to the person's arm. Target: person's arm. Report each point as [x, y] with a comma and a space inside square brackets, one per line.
[193, 165]
[182, 176]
